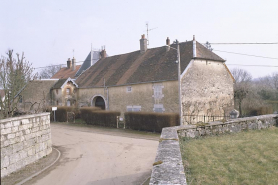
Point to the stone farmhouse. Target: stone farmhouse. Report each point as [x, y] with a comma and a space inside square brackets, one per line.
[144, 80]
[147, 80]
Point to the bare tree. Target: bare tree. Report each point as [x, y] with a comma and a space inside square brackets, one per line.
[14, 75]
[242, 86]
[49, 71]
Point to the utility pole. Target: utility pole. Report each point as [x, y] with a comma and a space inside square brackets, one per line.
[179, 75]
[179, 79]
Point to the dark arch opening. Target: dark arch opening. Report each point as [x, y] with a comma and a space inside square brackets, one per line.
[100, 102]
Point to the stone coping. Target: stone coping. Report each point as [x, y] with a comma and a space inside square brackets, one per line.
[24, 117]
[168, 166]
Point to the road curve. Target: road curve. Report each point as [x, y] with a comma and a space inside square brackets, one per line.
[96, 156]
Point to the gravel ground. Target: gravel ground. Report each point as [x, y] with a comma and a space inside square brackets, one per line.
[30, 169]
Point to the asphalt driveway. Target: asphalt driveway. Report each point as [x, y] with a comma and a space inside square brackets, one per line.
[96, 156]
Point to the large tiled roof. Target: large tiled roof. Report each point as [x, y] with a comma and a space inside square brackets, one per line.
[65, 73]
[154, 65]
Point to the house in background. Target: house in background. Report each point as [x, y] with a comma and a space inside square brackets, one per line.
[64, 93]
[39, 94]
[67, 72]
[36, 95]
[147, 80]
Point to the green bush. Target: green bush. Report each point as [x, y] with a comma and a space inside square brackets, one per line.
[95, 116]
[153, 122]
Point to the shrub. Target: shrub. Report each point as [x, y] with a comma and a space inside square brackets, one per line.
[153, 122]
[61, 113]
[261, 111]
[95, 116]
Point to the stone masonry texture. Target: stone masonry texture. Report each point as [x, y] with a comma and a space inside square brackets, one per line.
[168, 166]
[24, 140]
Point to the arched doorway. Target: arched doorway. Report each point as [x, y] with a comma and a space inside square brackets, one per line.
[98, 101]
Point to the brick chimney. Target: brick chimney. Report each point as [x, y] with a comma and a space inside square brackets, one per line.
[103, 53]
[143, 44]
[167, 44]
[69, 63]
[73, 64]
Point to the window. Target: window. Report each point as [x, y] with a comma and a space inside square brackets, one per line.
[68, 103]
[134, 108]
[128, 89]
[68, 90]
[158, 108]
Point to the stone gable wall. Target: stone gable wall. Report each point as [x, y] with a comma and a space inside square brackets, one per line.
[168, 166]
[207, 89]
[24, 140]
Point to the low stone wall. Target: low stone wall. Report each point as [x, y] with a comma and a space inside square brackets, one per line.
[168, 166]
[24, 140]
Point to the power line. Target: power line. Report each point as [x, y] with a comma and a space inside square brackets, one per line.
[248, 43]
[54, 65]
[246, 54]
[213, 50]
[251, 65]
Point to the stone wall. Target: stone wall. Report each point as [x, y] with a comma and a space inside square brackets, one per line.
[168, 166]
[24, 140]
[118, 98]
[207, 89]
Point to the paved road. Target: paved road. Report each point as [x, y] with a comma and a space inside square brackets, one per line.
[96, 156]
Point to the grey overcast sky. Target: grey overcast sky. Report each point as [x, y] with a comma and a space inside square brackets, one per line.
[48, 31]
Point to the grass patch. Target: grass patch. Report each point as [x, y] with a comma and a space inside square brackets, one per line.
[240, 158]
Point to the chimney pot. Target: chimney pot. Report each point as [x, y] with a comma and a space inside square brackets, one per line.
[143, 44]
[168, 44]
[69, 63]
[103, 53]
[194, 37]
[73, 64]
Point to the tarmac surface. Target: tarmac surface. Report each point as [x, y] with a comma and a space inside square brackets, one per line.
[99, 156]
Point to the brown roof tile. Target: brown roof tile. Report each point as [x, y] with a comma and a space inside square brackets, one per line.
[154, 65]
[65, 73]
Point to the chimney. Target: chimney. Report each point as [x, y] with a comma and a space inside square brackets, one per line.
[73, 64]
[69, 63]
[103, 53]
[143, 44]
[194, 47]
[167, 44]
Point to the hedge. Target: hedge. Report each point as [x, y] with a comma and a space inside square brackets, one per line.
[153, 122]
[61, 113]
[94, 116]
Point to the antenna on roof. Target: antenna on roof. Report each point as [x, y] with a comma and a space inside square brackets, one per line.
[147, 24]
